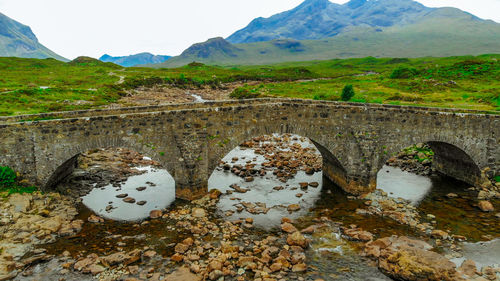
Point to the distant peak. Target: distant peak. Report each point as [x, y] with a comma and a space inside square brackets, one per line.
[353, 4]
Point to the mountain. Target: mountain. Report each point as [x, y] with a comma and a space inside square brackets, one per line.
[133, 60]
[317, 19]
[319, 29]
[17, 40]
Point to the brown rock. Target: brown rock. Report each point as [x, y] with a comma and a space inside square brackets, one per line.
[297, 239]
[154, 214]
[214, 193]
[440, 234]
[95, 219]
[469, 268]
[288, 227]
[181, 248]
[142, 203]
[293, 207]
[182, 274]
[486, 206]
[177, 257]
[408, 259]
[300, 267]
[129, 200]
[198, 213]
[123, 195]
[314, 184]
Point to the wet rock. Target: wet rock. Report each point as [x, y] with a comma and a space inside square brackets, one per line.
[357, 234]
[116, 258]
[297, 239]
[440, 234]
[408, 259]
[451, 195]
[154, 214]
[249, 179]
[123, 195]
[149, 254]
[95, 269]
[177, 257]
[238, 189]
[309, 171]
[141, 188]
[214, 193]
[129, 200]
[288, 227]
[181, 248]
[293, 207]
[314, 184]
[469, 268]
[198, 213]
[486, 206]
[142, 203]
[95, 219]
[182, 274]
[300, 267]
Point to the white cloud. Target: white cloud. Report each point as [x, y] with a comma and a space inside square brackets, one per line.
[122, 27]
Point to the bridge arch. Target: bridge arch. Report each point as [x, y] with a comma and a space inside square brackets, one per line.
[450, 158]
[333, 167]
[64, 161]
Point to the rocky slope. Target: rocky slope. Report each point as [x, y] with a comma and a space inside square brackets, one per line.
[17, 40]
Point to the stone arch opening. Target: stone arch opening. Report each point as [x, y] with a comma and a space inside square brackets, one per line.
[115, 183]
[410, 172]
[275, 175]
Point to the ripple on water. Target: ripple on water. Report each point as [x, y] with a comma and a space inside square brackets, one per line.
[159, 194]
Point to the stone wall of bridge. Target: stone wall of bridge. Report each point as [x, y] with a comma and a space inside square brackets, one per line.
[189, 140]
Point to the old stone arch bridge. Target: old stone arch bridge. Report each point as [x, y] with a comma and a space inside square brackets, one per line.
[189, 140]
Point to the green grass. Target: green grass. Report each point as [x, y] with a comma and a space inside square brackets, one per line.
[36, 86]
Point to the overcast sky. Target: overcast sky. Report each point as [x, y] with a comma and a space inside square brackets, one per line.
[121, 27]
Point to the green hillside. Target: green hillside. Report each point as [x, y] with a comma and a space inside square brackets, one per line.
[36, 86]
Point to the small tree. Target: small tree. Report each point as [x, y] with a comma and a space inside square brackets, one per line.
[347, 93]
[7, 177]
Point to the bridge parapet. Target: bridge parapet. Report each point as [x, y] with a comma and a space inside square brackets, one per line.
[189, 140]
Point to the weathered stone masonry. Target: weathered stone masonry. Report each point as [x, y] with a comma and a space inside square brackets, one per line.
[190, 139]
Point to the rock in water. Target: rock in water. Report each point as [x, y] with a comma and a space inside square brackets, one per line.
[123, 195]
[141, 203]
[129, 200]
[486, 206]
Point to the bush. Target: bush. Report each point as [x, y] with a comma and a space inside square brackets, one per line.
[347, 93]
[242, 93]
[403, 73]
[7, 176]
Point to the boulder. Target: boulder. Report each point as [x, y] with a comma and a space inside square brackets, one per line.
[486, 206]
[297, 239]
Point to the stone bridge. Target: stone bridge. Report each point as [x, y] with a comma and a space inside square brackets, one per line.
[189, 140]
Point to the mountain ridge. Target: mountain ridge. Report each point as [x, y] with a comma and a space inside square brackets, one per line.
[134, 60]
[18, 40]
[378, 28]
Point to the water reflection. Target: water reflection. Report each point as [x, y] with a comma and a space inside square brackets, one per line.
[400, 184]
[268, 194]
[155, 189]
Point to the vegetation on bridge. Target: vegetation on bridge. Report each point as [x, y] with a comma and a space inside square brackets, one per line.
[36, 86]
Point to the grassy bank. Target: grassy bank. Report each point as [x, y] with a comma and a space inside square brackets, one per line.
[36, 86]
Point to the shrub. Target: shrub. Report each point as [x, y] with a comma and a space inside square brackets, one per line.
[242, 93]
[7, 176]
[403, 73]
[347, 93]
[497, 178]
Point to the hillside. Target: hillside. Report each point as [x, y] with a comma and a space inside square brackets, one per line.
[35, 86]
[384, 28]
[317, 19]
[17, 40]
[133, 60]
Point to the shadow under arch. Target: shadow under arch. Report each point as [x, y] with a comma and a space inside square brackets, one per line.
[449, 159]
[332, 168]
[455, 162]
[62, 169]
